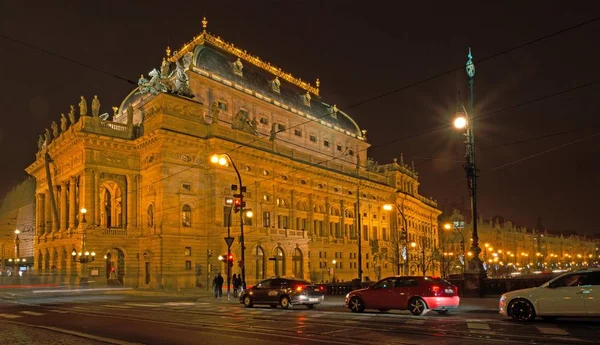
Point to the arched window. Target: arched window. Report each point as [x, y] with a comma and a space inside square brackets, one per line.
[260, 263]
[282, 203]
[279, 263]
[150, 215]
[298, 264]
[334, 211]
[348, 213]
[186, 216]
[318, 208]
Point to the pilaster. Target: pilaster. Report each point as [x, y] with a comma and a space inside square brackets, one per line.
[72, 203]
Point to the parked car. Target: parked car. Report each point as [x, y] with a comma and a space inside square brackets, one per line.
[574, 293]
[417, 294]
[284, 292]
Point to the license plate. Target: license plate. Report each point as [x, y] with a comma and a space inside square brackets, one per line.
[449, 291]
[313, 300]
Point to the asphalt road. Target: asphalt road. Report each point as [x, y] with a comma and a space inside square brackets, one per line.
[125, 318]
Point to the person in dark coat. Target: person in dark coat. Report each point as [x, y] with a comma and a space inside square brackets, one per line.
[236, 285]
[218, 285]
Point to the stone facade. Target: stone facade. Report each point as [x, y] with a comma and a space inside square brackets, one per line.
[156, 213]
[17, 212]
[509, 250]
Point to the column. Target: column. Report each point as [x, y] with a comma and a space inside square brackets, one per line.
[72, 207]
[47, 213]
[96, 198]
[63, 206]
[86, 189]
[131, 218]
[39, 216]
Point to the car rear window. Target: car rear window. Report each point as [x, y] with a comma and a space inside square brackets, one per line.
[437, 280]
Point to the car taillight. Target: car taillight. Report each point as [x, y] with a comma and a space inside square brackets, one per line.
[299, 288]
[435, 289]
[322, 288]
[456, 290]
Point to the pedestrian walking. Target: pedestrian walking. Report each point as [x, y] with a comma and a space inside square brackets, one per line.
[218, 285]
[236, 285]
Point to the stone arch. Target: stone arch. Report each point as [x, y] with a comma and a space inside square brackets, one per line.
[297, 263]
[282, 202]
[334, 211]
[279, 262]
[115, 259]
[318, 208]
[186, 215]
[146, 273]
[301, 206]
[112, 203]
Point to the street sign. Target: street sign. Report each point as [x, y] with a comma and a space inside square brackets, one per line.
[229, 241]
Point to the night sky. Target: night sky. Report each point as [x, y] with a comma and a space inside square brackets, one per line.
[359, 50]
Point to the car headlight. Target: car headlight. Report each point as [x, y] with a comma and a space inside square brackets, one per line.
[347, 295]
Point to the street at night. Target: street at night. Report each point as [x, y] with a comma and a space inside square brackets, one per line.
[131, 317]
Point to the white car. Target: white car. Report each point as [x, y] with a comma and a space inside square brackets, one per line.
[575, 293]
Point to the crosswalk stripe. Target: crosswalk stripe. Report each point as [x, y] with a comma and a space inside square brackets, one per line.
[10, 316]
[59, 311]
[32, 313]
[552, 331]
[116, 306]
[143, 304]
[477, 325]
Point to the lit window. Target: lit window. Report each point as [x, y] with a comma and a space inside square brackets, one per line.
[186, 216]
[188, 251]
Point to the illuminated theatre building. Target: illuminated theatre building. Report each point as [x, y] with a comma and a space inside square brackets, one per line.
[156, 204]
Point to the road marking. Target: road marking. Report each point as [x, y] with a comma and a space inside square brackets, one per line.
[142, 304]
[10, 316]
[116, 306]
[179, 303]
[552, 330]
[415, 322]
[336, 331]
[59, 311]
[315, 315]
[32, 313]
[475, 325]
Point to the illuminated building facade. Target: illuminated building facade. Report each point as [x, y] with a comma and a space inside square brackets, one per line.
[156, 205]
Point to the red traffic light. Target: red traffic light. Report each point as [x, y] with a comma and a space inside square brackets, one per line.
[230, 258]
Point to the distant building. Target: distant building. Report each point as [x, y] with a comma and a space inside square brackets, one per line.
[17, 212]
[156, 206]
[509, 250]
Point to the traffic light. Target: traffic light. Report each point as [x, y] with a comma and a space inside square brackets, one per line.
[404, 235]
[237, 203]
[230, 260]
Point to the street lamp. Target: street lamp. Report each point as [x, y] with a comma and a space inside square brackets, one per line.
[422, 247]
[333, 262]
[400, 243]
[83, 256]
[224, 159]
[464, 120]
[449, 226]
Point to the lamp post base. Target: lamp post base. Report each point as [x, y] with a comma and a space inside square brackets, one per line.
[474, 279]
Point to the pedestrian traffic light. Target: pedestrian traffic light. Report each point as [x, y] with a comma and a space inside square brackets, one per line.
[404, 235]
[230, 260]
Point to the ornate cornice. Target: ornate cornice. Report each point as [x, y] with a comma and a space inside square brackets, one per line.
[217, 42]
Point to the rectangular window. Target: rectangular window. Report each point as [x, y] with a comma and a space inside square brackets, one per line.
[222, 105]
[264, 120]
[266, 219]
[188, 251]
[367, 265]
[186, 187]
[280, 127]
[326, 143]
[351, 153]
[339, 147]
[313, 138]
[320, 255]
[298, 132]
[366, 232]
[188, 265]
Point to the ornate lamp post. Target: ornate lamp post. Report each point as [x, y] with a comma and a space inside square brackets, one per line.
[401, 242]
[224, 159]
[465, 121]
[333, 262]
[17, 260]
[83, 256]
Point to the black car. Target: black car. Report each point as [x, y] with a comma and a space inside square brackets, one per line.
[284, 292]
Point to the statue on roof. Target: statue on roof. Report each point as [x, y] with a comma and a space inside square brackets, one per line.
[82, 107]
[164, 67]
[95, 106]
[40, 143]
[54, 129]
[306, 98]
[182, 80]
[47, 137]
[214, 112]
[143, 85]
[72, 115]
[276, 85]
[242, 121]
[237, 67]
[63, 123]
[333, 111]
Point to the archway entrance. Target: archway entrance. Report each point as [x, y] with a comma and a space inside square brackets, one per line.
[115, 266]
[279, 262]
[298, 262]
[111, 205]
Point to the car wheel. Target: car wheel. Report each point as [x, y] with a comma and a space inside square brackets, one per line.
[442, 311]
[356, 305]
[384, 310]
[285, 302]
[521, 310]
[248, 302]
[273, 305]
[311, 306]
[417, 306]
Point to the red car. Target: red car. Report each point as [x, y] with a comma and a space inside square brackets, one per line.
[417, 294]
